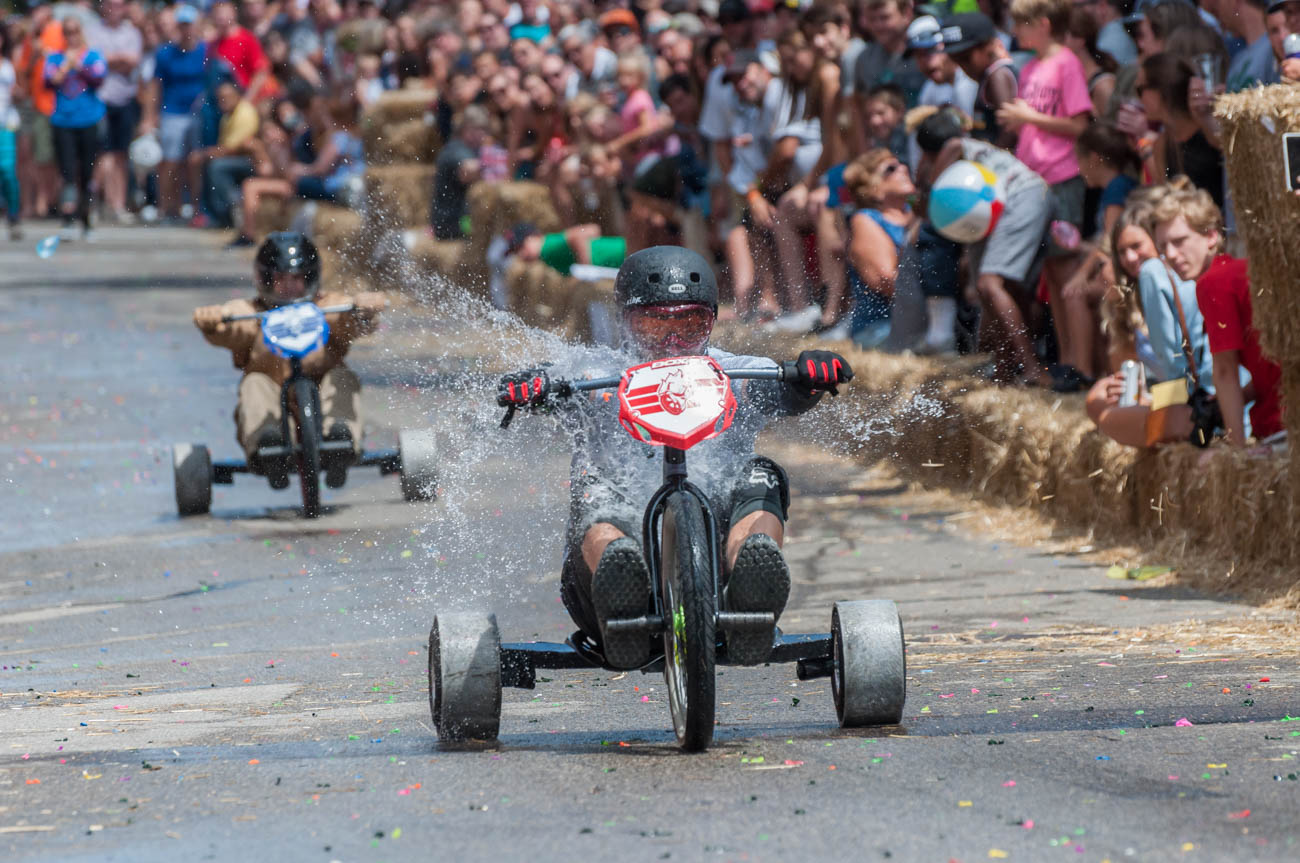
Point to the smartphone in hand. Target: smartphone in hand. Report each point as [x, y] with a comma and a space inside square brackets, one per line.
[1291, 160]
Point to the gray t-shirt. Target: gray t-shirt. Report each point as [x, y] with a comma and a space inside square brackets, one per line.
[117, 89]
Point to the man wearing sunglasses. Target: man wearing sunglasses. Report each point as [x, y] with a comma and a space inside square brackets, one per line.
[668, 299]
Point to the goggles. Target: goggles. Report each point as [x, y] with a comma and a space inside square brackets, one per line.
[669, 331]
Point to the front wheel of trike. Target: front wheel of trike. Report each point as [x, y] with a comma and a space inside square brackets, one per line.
[690, 638]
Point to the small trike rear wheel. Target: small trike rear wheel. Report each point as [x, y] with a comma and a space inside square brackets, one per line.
[192, 471]
[419, 462]
[869, 674]
[465, 676]
[309, 434]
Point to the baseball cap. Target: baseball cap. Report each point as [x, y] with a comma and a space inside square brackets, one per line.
[1277, 5]
[732, 11]
[1141, 6]
[963, 32]
[186, 14]
[619, 18]
[741, 60]
[924, 34]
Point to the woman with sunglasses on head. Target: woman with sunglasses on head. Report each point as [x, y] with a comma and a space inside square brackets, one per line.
[880, 186]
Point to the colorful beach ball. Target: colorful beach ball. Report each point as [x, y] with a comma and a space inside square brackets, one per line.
[965, 202]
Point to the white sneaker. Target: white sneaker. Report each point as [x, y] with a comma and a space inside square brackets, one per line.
[187, 211]
[801, 321]
[837, 333]
[68, 232]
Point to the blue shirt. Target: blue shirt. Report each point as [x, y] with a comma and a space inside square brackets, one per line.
[76, 105]
[1114, 195]
[182, 75]
[868, 305]
[1156, 293]
[1252, 66]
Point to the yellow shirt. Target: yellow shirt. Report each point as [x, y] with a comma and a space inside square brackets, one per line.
[237, 126]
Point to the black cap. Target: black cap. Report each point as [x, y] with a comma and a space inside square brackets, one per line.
[966, 31]
[732, 11]
[1278, 4]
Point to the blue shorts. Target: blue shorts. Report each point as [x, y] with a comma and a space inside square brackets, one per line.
[312, 188]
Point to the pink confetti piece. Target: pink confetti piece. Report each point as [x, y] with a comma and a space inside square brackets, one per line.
[1029, 824]
[1010, 783]
[1183, 723]
[645, 698]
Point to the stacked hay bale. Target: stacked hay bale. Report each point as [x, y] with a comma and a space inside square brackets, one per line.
[401, 144]
[1268, 218]
[1224, 517]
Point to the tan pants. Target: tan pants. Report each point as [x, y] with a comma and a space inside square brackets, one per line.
[258, 408]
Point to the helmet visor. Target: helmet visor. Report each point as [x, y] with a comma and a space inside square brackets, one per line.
[669, 331]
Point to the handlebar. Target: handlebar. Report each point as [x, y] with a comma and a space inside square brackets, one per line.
[328, 310]
[561, 388]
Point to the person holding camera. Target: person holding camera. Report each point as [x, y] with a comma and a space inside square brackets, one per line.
[1189, 234]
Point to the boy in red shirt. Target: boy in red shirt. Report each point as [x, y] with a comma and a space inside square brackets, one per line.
[1188, 234]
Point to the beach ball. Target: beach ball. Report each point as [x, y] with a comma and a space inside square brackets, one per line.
[965, 202]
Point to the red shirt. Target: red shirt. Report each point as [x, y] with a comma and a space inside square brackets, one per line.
[244, 54]
[1223, 295]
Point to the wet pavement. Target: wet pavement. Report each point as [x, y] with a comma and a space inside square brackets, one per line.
[249, 681]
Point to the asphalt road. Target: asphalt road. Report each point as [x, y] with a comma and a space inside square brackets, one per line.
[252, 685]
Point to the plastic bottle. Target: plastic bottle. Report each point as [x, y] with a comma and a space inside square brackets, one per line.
[45, 248]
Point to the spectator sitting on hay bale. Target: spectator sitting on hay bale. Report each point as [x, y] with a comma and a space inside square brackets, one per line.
[1189, 231]
[581, 244]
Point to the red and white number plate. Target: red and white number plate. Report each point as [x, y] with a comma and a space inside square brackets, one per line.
[676, 402]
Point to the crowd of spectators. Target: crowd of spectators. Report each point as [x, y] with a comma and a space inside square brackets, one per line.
[792, 141]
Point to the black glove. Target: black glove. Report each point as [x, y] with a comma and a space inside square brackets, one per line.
[820, 370]
[528, 388]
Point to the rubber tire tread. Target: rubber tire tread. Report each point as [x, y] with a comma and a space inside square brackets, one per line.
[869, 685]
[419, 460]
[192, 478]
[465, 676]
[684, 550]
[309, 438]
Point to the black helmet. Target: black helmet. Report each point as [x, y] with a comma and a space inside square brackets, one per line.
[668, 300]
[664, 276]
[287, 252]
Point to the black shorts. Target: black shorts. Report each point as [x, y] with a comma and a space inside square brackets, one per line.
[760, 485]
[120, 122]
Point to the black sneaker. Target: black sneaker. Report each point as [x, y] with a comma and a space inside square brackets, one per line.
[276, 470]
[336, 466]
[760, 581]
[620, 589]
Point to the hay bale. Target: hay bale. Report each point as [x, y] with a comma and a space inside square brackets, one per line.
[273, 214]
[494, 208]
[362, 36]
[397, 106]
[1268, 218]
[414, 140]
[400, 196]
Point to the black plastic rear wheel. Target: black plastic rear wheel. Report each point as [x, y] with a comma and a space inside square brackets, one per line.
[690, 639]
[309, 440]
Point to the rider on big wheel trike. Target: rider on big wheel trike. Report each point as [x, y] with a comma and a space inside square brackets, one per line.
[668, 301]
